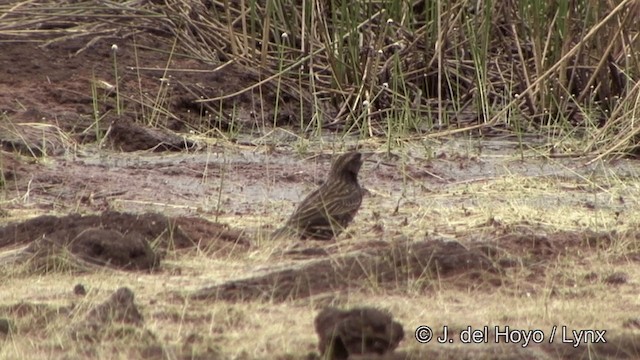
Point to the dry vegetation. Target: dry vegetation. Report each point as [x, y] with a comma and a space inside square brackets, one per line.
[502, 187]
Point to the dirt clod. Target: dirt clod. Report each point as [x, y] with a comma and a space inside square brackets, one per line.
[98, 246]
[150, 226]
[114, 239]
[129, 136]
[617, 278]
[79, 290]
[120, 307]
[359, 331]
[118, 315]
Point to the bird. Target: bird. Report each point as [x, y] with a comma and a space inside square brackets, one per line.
[329, 209]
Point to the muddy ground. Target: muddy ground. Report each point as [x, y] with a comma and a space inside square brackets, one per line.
[455, 232]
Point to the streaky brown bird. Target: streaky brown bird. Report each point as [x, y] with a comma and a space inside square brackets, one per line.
[329, 209]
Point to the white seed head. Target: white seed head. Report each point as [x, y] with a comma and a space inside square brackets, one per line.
[389, 21]
[365, 103]
[105, 85]
[284, 35]
[385, 85]
[114, 47]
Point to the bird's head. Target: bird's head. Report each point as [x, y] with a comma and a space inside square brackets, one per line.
[347, 166]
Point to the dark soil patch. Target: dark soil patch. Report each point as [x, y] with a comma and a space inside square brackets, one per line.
[115, 239]
[385, 264]
[29, 316]
[74, 91]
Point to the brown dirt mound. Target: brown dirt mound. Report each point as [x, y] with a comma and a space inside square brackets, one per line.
[180, 232]
[385, 264]
[483, 263]
[119, 312]
[127, 136]
[116, 239]
[357, 331]
[120, 307]
[150, 226]
[98, 246]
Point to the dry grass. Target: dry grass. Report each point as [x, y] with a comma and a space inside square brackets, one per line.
[558, 291]
[374, 70]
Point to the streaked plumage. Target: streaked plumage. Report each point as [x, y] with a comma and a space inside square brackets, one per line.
[329, 209]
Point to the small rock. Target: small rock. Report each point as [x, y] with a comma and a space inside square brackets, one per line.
[6, 326]
[79, 290]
